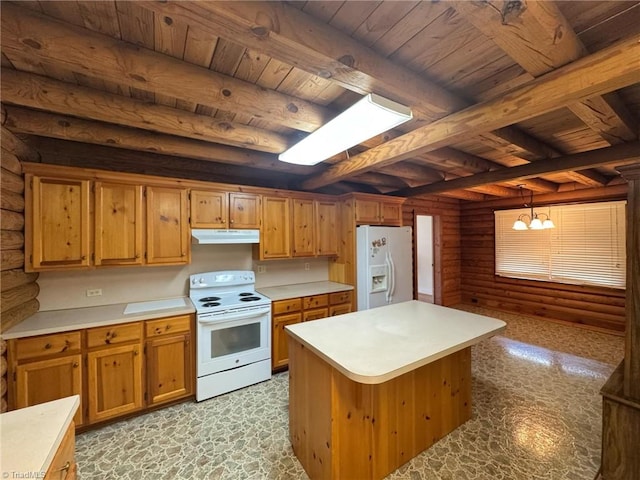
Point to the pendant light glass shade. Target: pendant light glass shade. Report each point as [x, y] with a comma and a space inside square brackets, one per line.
[365, 119]
[519, 225]
[536, 224]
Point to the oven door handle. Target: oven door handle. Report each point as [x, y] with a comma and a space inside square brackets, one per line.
[224, 317]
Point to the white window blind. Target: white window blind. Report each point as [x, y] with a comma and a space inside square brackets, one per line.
[587, 247]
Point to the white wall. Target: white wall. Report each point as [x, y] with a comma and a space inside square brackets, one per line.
[424, 247]
[60, 290]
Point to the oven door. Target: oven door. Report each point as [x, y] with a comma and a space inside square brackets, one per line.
[232, 339]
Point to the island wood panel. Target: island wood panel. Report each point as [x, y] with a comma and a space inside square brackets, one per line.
[18, 289]
[343, 429]
[594, 307]
[446, 213]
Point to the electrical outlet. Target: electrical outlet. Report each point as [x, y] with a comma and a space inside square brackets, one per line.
[262, 269]
[96, 292]
[307, 266]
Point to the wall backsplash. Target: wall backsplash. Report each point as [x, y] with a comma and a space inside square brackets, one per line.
[60, 290]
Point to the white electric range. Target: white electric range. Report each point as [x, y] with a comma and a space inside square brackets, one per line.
[233, 332]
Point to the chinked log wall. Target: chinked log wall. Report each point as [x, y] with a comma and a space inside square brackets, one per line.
[446, 227]
[18, 289]
[600, 308]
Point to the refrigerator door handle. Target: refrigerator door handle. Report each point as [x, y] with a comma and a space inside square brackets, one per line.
[392, 277]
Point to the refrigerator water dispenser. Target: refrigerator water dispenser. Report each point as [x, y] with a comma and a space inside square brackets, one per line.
[378, 276]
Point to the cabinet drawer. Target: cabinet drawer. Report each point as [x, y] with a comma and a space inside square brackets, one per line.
[340, 297]
[114, 334]
[315, 301]
[315, 314]
[285, 306]
[45, 345]
[163, 326]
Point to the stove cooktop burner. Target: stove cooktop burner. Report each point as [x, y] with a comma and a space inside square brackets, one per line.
[211, 304]
[209, 299]
[246, 294]
[249, 299]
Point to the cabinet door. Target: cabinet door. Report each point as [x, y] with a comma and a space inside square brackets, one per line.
[63, 465]
[327, 227]
[391, 214]
[46, 380]
[315, 314]
[118, 224]
[280, 357]
[244, 210]
[209, 209]
[167, 226]
[169, 368]
[303, 228]
[59, 231]
[367, 212]
[276, 231]
[339, 309]
[115, 381]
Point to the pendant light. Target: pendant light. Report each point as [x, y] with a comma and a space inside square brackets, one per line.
[537, 221]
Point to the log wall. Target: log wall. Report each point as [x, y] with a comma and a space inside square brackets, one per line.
[597, 308]
[18, 290]
[446, 228]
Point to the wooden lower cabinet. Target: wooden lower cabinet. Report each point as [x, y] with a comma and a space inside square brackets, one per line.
[46, 380]
[115, 381]
[302, 309]
[127, 367]
[170, 359]
[63, 466]
[280, 350]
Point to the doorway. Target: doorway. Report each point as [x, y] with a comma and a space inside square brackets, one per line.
[425, 258]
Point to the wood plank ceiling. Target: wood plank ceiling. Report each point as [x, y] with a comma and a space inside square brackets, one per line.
[504, 93]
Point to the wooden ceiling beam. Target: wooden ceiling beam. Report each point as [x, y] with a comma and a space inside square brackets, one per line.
[294, 37]
[607, 70]
[42, 93]
[617, 155]
[61, 152]
[65, 127]
[38, 38]
[539, 38]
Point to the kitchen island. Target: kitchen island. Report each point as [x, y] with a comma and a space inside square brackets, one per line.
[370, 390]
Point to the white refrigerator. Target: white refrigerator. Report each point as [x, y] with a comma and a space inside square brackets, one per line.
[385, 266]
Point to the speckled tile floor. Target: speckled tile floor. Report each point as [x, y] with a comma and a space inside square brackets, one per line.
[537, 415]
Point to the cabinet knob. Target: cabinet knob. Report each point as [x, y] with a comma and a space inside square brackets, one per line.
[135, 352]
[83, 257]
[75, 364]
[47, 346]
[231, 221]
[65, 467]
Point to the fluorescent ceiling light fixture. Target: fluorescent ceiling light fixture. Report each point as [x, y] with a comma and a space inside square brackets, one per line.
[366, 118]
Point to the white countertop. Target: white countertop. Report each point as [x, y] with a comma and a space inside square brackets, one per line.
[56, 321]
[282, 292]
[374, 346]
[31, 436]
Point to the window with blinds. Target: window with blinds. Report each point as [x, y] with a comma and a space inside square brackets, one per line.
[587, 247]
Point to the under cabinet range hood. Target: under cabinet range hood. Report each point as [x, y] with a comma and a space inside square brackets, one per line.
[206, 236]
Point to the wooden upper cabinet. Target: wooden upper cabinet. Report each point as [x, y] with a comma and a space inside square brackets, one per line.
[167, 226]
[275, 241]
[244, 210]
[327, 224]
[304, 234]
[209, 209]
[378, 210]
[118, 224]
[217, 209]
[58, 230]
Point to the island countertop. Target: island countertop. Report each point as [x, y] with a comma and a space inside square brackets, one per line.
[376, 345]
[31, 436]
